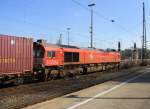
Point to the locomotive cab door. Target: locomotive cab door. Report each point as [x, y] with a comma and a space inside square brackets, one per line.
[38, 54]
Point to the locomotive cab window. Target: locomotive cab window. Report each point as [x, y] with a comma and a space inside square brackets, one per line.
[38, 53]
[51, 54]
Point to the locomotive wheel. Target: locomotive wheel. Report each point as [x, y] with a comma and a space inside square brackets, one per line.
[62, 74]
[84, 70]
[54, 74]
[41, 77]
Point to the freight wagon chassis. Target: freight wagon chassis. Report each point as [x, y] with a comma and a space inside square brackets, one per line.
[7, 79]
[16, 79]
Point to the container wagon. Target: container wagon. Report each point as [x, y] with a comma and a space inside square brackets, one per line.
[16, 58]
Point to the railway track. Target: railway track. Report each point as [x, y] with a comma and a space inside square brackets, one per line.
[20, 96]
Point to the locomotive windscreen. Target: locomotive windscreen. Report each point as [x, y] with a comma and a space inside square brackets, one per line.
[71, 56]
[38, 53]
[38, 50]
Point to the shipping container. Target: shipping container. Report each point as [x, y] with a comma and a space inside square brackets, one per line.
[16, 55]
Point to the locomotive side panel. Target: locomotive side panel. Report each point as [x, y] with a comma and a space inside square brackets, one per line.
[89, 57]
[53, 57]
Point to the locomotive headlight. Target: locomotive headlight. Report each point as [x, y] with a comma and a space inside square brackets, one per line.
[35, 73]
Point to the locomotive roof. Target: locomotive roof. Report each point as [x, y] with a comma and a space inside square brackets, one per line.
[72, 47]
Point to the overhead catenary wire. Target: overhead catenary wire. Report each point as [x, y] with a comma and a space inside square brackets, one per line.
[88, 9]
[103, 17]
[63, 30]
[49, 28]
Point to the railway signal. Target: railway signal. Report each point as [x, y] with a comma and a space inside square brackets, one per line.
[119, 46]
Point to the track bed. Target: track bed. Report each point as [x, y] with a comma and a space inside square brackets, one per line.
[20, 96]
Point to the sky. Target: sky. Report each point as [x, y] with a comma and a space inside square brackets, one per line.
[47, 19]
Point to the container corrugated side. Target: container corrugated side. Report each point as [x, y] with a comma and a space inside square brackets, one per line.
[16, 54]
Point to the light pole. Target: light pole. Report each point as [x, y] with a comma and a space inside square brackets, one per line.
[68, 29]
[91, 27]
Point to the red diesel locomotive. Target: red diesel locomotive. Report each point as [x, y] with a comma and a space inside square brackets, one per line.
[22, 58]
[53, 60]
